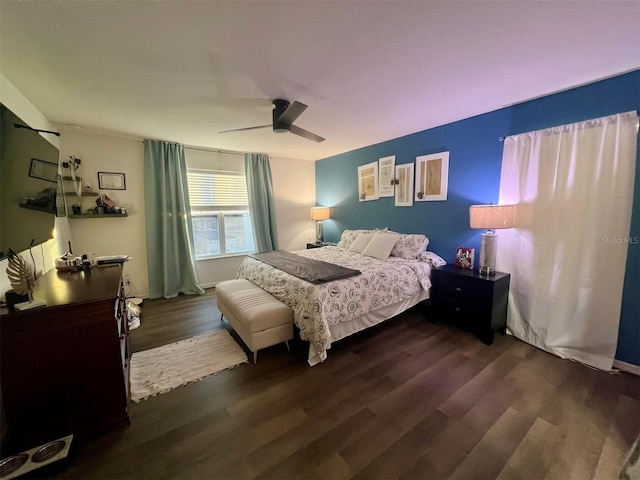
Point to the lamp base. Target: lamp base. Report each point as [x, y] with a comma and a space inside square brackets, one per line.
[319, 234]
[488, 249]
[486, 271]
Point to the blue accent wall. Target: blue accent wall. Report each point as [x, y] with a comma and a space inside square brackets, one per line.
[475, 158]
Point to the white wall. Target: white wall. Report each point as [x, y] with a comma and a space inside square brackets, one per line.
[294, 190]
[294, 186]
[110, 235]
[46, 253]
[11, 97]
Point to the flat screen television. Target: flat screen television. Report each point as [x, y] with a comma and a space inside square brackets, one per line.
[30, 187]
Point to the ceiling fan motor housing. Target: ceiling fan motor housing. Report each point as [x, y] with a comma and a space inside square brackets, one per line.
[284, 114]
[279, 107]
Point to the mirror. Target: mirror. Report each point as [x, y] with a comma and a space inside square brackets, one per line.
[30, 187]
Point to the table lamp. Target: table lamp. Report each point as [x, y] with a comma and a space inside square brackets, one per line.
[319, 214]
[491, 217]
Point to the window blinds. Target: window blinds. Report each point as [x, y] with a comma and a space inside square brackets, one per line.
[217, 189]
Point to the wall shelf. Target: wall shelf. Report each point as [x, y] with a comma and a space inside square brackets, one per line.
[37, 208]
[100, 215]
[84, 194]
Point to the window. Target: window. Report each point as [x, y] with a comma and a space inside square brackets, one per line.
[220, 213]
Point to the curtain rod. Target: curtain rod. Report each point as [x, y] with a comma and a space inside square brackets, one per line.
[213, 150]
[210, 150]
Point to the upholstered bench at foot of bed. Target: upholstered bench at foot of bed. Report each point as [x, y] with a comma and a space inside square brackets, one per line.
[258, 318]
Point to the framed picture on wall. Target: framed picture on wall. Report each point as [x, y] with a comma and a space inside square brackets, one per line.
[111, 181]
[404, 187]
[368, 182]
[43, 170]
[386, 171]
[432, 177]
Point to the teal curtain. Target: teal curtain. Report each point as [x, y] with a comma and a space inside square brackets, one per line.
[170, 253]
[257, 170]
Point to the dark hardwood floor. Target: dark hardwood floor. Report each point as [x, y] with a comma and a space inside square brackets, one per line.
[405, 400]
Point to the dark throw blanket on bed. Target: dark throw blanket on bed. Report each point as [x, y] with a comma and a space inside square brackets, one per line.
[314, 271]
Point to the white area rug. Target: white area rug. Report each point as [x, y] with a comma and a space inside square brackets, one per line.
[162, 369]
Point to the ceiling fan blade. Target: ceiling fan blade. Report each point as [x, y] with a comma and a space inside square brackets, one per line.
[290, 114]
[246, 128]
[306, 134]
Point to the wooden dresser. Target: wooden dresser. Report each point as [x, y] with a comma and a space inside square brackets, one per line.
[65, 367]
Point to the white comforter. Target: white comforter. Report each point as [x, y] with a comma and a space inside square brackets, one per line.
[317, 307]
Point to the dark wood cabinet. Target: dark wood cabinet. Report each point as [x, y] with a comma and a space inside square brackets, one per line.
[471, 300]
[65, 367]
[314, 245]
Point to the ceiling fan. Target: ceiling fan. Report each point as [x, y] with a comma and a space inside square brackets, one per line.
[284, 114]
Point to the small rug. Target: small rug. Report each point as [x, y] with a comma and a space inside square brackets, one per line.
[165, 368]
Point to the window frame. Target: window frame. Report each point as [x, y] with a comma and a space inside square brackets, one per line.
[220, 212]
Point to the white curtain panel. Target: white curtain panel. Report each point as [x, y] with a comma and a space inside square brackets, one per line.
[567, 255]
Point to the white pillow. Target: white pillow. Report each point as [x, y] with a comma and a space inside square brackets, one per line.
[361, 241]
[381, 245]
[432, 259]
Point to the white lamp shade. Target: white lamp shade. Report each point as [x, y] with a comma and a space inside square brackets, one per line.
[491, 217]
[320, 213]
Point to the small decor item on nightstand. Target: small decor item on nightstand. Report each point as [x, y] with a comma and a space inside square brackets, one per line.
[465, 257]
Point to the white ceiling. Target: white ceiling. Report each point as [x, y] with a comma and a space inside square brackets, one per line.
[370, 71]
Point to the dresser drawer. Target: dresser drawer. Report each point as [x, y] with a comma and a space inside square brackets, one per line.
[458, 287]
[473, 317]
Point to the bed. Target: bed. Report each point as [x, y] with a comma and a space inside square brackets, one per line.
[327, 312]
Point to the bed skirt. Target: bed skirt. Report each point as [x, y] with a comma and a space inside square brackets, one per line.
[344, 329]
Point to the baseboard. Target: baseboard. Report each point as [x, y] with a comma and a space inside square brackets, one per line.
[145, 296]
[627, 367]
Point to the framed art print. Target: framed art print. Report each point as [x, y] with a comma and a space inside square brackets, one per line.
[368, 182]
[432, 177]
[404, 187]
[386, 171]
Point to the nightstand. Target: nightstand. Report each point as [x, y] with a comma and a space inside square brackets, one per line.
[314, 245]
[466, 298]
